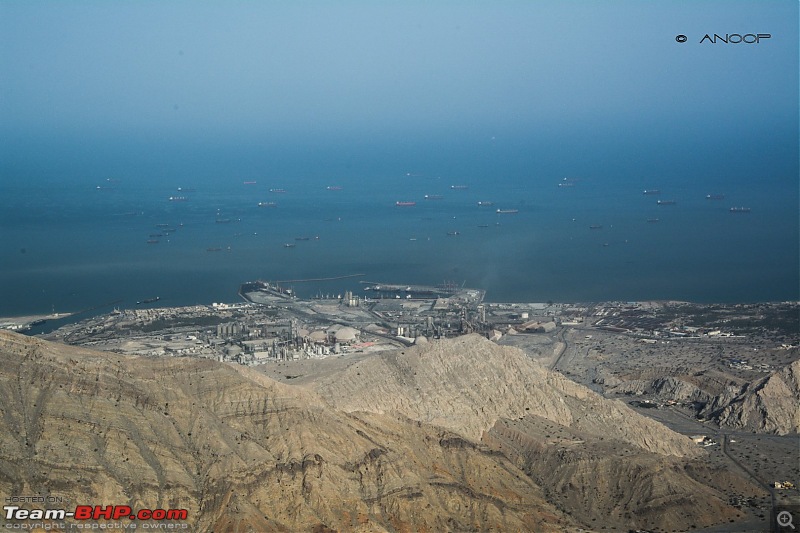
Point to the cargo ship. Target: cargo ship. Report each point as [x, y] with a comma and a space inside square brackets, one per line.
[267, 204]
[459, 187]
[666, 202]
[651, 192]
[333, 188]
[433, 196]
[596, 226]
[485, 204]
[740, 209]
[405, 204]
[507, 211]
[715, 197]
[249, 182]
[149, 300]
[178, 199]
[278, 191]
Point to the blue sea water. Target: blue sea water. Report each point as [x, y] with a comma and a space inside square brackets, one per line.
[76, 220]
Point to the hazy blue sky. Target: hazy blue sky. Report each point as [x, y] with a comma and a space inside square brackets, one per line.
[507, 96]
[310, 70]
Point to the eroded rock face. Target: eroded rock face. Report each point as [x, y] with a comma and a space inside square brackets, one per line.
[238, 450]
[448, 436]
[468, 383]
[667, 388]
[769, 405]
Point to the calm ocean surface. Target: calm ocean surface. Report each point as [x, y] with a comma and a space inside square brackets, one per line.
[75, 232]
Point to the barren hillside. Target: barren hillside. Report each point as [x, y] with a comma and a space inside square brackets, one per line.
[421, 441]
[238, 450]
[769, 405]
[468, 383]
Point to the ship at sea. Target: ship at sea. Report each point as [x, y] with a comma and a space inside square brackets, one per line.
[277, 191]
[715, 197]
[666, 202]
[507, 211]
[651, 192]
[333, 188]
[459, 187]
[178, 199]
[433, 196]
[485, 204]
[740, 210]
[148, 300]
[267, 204]
[596, 226]
[405, 204]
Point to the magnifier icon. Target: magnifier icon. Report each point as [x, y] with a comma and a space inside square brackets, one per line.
[785, 519]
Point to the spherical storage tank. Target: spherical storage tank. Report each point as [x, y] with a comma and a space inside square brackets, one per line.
[345, 334]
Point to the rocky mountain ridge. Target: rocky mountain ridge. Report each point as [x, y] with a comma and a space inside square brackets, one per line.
[768, 405]
[242, 452]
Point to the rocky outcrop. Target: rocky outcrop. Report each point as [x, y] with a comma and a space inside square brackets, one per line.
[468, 383]
[768, 405]
[664, 388]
